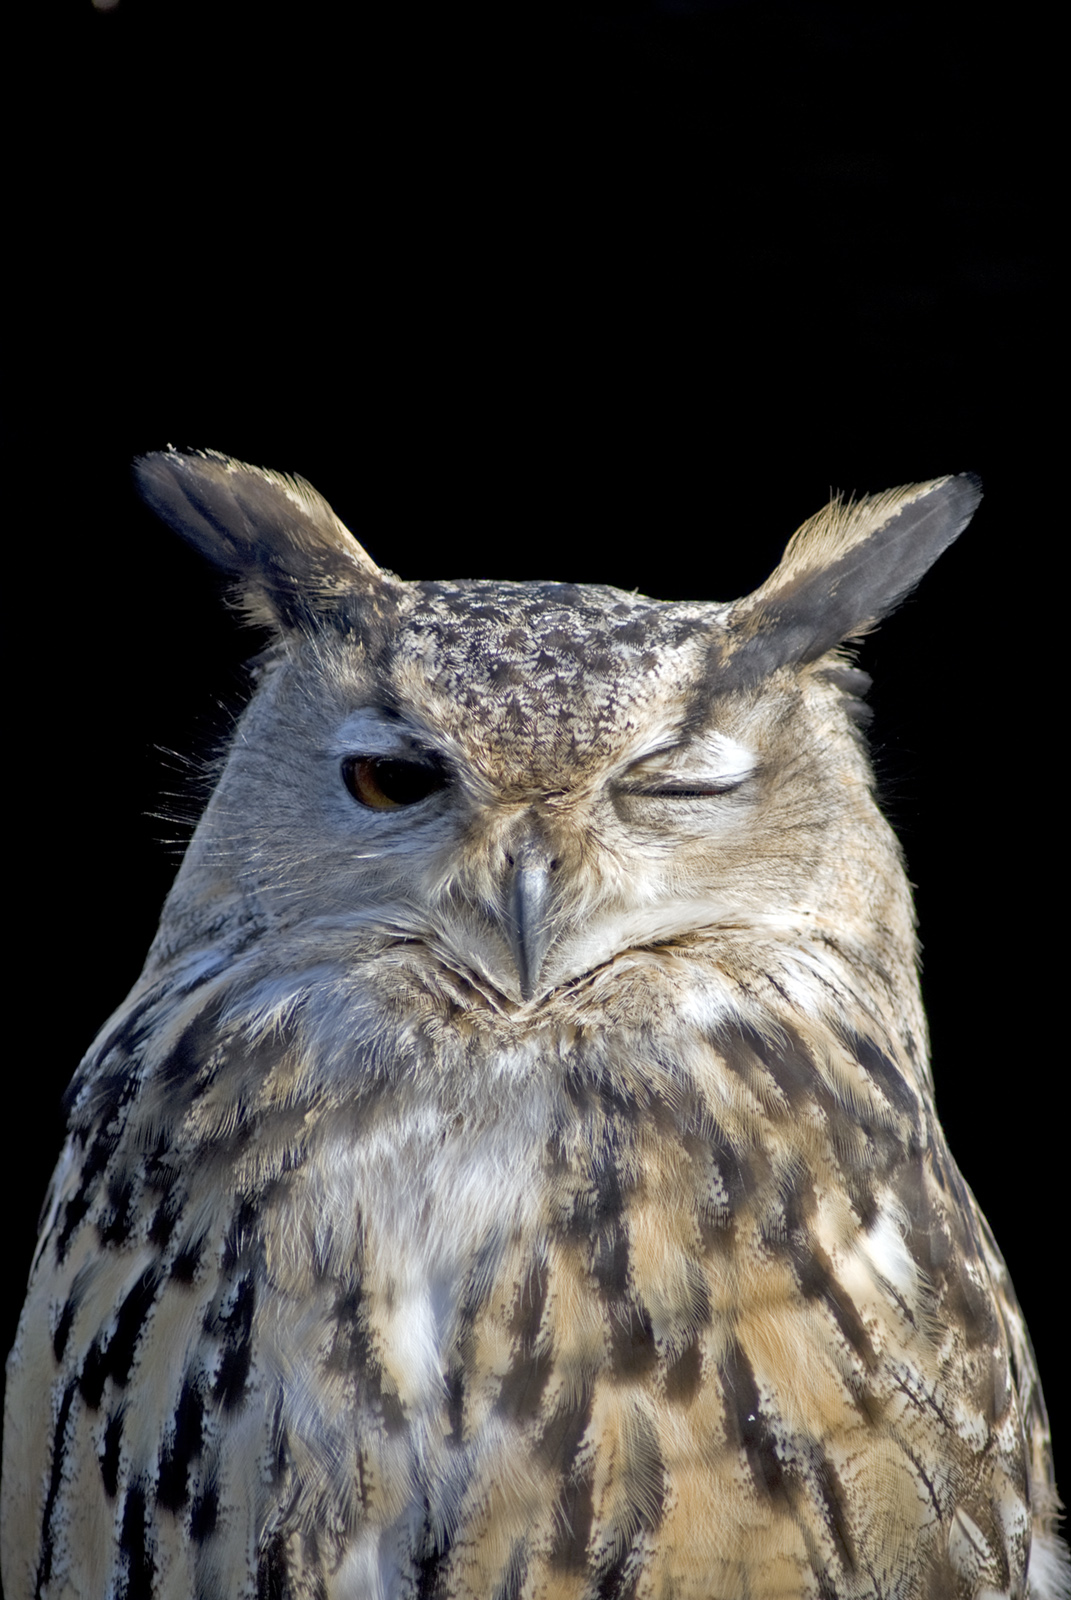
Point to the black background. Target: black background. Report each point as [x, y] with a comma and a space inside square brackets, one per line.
[608, 293]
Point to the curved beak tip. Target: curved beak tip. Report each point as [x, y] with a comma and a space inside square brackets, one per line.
[528, 923]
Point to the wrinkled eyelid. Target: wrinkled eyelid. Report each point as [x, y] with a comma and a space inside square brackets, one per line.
[714, 760]
[372, 733]
[668, 785]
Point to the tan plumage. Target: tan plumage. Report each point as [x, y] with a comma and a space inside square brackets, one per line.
[515, 1173]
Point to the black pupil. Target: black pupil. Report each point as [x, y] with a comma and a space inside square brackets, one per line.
[406, 782]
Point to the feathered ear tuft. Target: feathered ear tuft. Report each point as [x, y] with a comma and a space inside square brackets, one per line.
[293, 558]
[845, 569]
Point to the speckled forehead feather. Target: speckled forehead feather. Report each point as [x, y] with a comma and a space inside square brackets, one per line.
[558, 620]
[548, 655]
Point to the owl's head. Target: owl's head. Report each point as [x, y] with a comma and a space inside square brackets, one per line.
[524, 783]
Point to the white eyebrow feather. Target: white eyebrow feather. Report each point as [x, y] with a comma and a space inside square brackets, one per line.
[713, 756]
[372, 732]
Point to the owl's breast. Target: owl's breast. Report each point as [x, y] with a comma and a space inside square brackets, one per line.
[572, 1294]
[684, 1308]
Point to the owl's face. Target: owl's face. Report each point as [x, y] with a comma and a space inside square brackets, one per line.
[525, 782]
[515, 786]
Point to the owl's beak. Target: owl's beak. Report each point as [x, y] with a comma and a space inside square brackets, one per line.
[529, 920]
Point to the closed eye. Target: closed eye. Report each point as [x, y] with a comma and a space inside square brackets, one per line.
[691, 791]
[385, 783]
[705, 768]
[678, 785]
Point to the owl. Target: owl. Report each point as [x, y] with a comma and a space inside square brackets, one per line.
[515, 1173]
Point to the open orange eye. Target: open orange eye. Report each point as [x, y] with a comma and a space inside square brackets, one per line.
[384, 785]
